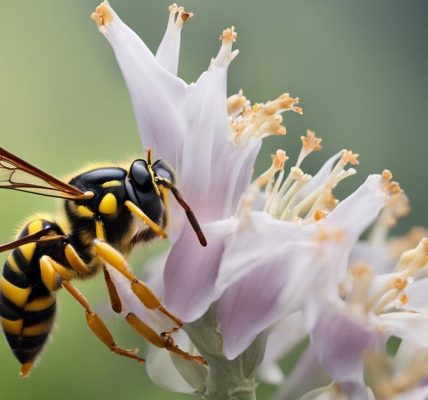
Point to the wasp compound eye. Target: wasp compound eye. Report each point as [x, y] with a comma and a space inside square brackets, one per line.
[140, 176]
[164, 170]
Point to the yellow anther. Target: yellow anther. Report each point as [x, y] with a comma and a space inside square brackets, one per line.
[296, 173]
[311, 142]
[319, 215]
[330, 201]
[386, 175]
[404, 299]
[399, 283]
[348, 157]
[279, 159]
[228, 35]
[361, 271]
[102, 14]
[394, 188]
[236, 103]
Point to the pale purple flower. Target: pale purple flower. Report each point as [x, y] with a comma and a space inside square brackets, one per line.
[366, 311]
[210, 141]
[277, 247]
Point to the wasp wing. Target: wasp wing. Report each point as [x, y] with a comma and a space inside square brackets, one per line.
[17, 174]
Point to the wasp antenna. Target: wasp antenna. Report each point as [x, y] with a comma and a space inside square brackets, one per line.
[189, 213]
[149, 156]
[24, 240]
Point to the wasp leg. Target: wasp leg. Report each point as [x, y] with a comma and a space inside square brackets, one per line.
[97, 326]
[116, 304]
[143, 217]
[159, 340]
[115, 259]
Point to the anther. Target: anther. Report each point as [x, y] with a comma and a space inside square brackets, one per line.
[102, 15]
[229, 35]
[348, 157]
[399, 283]
[311, 142]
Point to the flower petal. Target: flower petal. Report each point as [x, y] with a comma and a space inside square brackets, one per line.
[155, 93]
[407, 325]
[169, 50]
[358, 211]
[306, 375]
[263, 295]
[191, 270]
[284, 335]
[340, 340]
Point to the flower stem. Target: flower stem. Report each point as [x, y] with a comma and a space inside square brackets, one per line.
[226, 379]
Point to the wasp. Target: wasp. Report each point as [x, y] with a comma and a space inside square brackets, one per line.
[107, 211]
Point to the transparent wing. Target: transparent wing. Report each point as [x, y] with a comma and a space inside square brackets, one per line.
[17, 174]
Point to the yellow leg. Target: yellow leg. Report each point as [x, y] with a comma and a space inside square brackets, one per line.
[50, 277]
[160, 341]
[143, 217]
[112, 257]
[97, 326]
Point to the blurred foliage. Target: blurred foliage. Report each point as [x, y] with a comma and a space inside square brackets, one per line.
[360, 68]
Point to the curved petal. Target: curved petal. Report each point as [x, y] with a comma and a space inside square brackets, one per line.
[191, 270]
[340, 340]
[258, 299]
[306, 375]
[156, 94]
[284, 335]
[319, 178]
[359, 210]
[162, 372]
[407, 325]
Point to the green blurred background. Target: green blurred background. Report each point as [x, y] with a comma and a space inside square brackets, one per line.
[359, 67]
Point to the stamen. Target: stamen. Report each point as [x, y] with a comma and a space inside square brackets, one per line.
[413, 260]
[178, 16]
[310, 144]
[102, 16]
[404, 299]
[262, 120]
[362, 276]
[399, 284]
[236, 104]
[348, 157]
[397, 206]
[225, 54]
[278, 161]
[319, 215]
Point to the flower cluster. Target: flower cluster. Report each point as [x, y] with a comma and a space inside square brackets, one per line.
[283, 259]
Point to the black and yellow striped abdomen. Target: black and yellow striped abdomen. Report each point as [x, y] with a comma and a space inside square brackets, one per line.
[27, 307]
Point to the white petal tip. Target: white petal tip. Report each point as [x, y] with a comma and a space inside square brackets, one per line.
[103, 15]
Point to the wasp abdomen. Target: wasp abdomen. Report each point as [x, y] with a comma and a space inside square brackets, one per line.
[27, 307]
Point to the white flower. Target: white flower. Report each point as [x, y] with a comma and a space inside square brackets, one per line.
[210, 141]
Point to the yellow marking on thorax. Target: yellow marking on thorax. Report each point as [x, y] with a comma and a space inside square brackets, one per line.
[12, 327]
[99, 230]
[35, 226]
[39, 329]
[84, 212]
[27, 250]
[108, 204]
[13, 265]
[110, 184]
[40, 304]
[15, 294]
